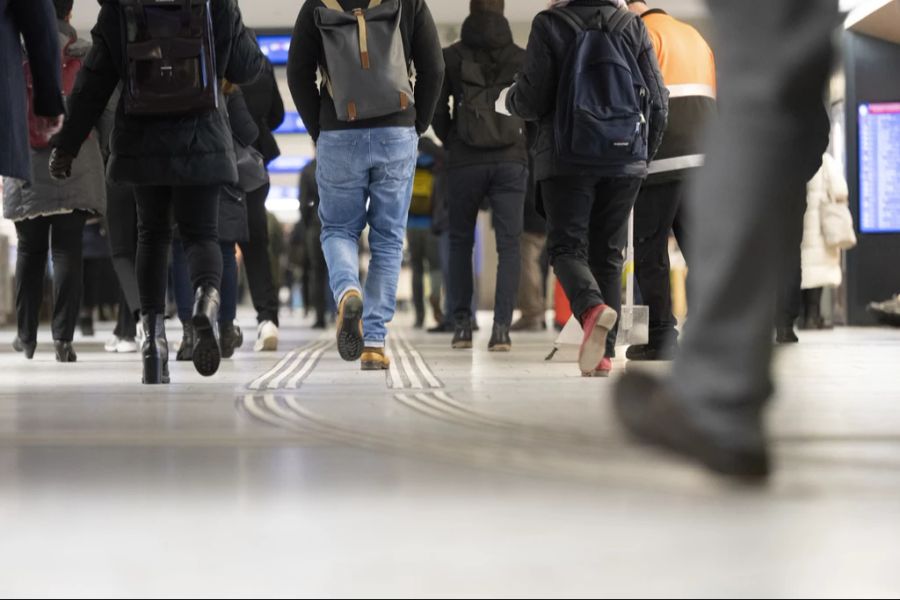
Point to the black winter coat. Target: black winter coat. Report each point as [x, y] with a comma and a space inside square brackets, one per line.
[490, 37]
[233, 224]
[533, 97]
[267, 107]
[35, 22]
[184, 150]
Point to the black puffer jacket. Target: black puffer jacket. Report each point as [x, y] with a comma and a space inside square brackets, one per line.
[490, 37]
[233, 224]
[184, 150]
[534, 96]
[265, 103]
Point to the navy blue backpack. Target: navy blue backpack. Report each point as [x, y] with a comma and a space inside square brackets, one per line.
[603, 101]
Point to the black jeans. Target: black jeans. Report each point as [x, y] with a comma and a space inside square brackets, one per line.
[588, 232]
[121, 217]
[659, 211]
[317, 271]
[504, 185]
[196, 210]
[256, 258]
[424, 252]
[61, 234]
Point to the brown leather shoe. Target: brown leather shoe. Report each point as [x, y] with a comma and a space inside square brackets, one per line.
[374, 359]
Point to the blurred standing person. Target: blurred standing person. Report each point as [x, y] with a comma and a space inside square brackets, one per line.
[488, 159]
[265, 104]
[689, 71]
[533, 286]
[172, 142]
[768, 143]
[50, 214]
[34, 23]
[590, 169]
[423, 244]
[366, 119]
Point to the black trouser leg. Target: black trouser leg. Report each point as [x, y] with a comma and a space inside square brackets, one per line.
[66, 232]
[509, 183]
[196, 208]
[31, 265]
[417, 239]
[318, 272]
[654, 218]
[121, 215]
[257, 261]
[775, 70]
[608, 239]
[789, 299]
[468, 188]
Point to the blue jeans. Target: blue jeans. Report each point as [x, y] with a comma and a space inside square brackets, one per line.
[365, 177]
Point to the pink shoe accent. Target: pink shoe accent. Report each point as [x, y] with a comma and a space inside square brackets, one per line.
[597, 323]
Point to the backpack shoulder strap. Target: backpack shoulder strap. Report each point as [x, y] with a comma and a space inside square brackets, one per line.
[573, 19]
[374, 4]
[619, 21]
[333, 5]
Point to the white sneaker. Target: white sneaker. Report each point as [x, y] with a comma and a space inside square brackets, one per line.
[127, 346]
[266, 337]
[112, 346]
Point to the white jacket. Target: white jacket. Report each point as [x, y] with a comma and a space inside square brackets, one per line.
[822, 264]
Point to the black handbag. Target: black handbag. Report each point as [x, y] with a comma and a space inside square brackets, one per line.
[252, 172]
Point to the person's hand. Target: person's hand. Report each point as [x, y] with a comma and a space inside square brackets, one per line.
[47, 127]
[60, 164]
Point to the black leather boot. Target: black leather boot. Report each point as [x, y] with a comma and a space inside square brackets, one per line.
[462, 336]
[26, 348]
[230, 338]
[207, 353]
[188, 339]
[500, 341]
[65, 353]
[155, 349]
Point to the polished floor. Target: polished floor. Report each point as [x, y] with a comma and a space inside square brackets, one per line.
[457, 474]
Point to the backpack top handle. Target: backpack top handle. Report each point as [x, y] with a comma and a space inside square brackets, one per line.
[363, 29]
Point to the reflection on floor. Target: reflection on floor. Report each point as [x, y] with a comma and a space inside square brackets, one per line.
[458, 474]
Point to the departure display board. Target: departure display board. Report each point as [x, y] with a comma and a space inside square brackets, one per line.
[879, 167]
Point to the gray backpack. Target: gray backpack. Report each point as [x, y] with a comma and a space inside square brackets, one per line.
[366, 70]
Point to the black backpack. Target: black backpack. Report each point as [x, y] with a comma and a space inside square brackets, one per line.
[477, 121]
[603, 102]
[170, 63]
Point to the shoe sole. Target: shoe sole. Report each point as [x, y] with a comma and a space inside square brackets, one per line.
[375, 366]
[594, 348]
[350, 331]
[598, 374]
[207, 356]
[500, 348]
[462, 345]
[268, 344]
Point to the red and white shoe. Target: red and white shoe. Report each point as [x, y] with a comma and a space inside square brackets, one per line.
[597, 323]
[604, 369]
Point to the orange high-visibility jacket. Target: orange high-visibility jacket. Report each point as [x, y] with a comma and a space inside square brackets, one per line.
[689, 70]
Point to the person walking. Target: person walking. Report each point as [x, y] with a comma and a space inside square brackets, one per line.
[366, 120]
[172, 142]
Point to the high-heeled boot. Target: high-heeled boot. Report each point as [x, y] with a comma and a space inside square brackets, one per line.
[155, 349]
[207, 352]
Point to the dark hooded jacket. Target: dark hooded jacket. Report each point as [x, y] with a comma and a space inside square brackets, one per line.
[534, 96]
[489, 36]
[182, 150]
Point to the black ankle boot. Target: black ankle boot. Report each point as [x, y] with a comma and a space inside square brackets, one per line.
[188, 339]
[462, 336]
[26, 348]
[230, 338]
[65, 353]
[207, 354]
[500, 341]
[155, 349]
